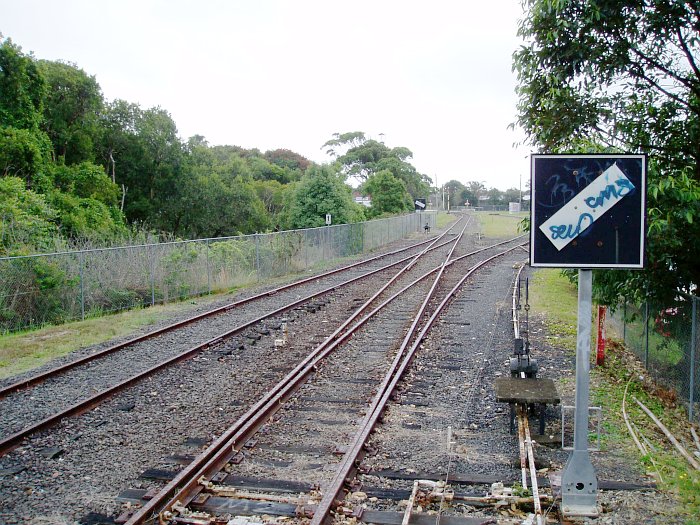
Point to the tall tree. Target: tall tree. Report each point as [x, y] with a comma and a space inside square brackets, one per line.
[23, 153]
[388, 194]
[24, 148]
[71, 106]
[27, 221]
[287, 159]
[319, 192]
[22, 88]
[364, 157]
[620, 75]
[454, 193]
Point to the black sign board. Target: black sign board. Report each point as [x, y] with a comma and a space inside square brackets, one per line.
[420, 204]
[588, 211]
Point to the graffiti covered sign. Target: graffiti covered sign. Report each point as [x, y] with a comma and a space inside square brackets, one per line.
[588, 211]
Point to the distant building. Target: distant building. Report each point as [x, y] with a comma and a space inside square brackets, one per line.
[365, 200]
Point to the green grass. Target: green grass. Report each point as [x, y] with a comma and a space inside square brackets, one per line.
[665, 351]
[500, 224]
[444, 219]
[552, 295]
[22, 351]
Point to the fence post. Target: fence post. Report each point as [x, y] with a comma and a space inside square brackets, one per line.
[646, 334]
[152, 265]
[600, 347]
[624, 321]
[257, 255]
[81, 262]
[693, 344]
[208, 269]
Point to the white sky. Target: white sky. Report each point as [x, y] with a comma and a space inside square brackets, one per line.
[433, 76]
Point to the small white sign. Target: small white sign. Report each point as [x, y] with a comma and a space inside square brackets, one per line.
[587, 207]
[328, 219]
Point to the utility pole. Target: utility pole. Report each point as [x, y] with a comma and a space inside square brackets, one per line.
[520, 192]
[437, 197]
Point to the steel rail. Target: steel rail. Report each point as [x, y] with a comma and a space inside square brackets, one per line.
[527, 453]
[13, 440]
[38, 378]
[180, 491]
[399, 366]
[523, 422]
[211, 461]
[516, 302]
[516, 335]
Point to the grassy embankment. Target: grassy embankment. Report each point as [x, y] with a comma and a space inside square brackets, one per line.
[554, 296]
[22, 351]
[500, 224]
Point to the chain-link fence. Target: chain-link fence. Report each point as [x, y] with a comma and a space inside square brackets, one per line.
[666, 339]
[58, 287]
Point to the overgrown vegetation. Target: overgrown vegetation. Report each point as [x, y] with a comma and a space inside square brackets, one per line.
[614, 77]
[555, 297]
[76, 168]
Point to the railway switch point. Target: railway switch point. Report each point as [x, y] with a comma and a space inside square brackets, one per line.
[532, 392]
[522, 362]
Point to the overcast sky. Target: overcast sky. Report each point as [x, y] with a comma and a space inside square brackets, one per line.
[434, 76]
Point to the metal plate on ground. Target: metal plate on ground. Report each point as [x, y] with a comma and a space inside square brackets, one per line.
[519, 390]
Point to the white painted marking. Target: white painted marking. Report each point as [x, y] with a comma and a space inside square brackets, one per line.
[587, 207]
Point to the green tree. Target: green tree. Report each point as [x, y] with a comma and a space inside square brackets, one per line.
[319, 192]
[623, 76]
[261, 169]
[222, 205]
[495, 196]
[86, 180]
[22, 88]
[141, 150]
[117, 143]
[86, 218]
[71, 106]
[364, 157]
[23, 152]
[272, 194]
[473, 190]
[454, 191]
[27, 221]
[388, 194]
[511, 195]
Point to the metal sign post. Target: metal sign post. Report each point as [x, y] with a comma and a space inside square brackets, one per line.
[579, 486]
[587, 211]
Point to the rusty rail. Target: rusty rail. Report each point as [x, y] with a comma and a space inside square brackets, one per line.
[187, 485]
[9, 442]
[322, 516]
[39, 378]
[190, 482]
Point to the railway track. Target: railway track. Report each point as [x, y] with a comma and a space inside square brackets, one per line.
[31, 405]
[318, 412]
